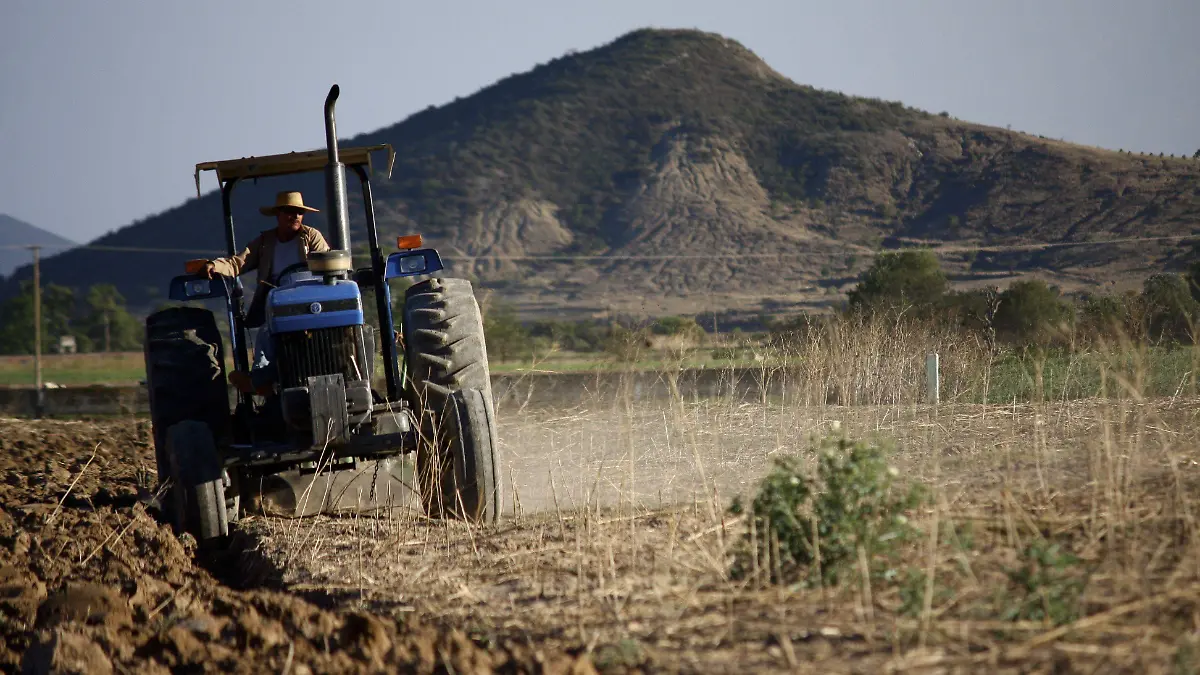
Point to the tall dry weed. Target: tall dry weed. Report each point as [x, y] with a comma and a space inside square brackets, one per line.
[873, 360]
[1063, 520]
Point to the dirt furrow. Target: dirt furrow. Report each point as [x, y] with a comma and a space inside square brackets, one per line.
[91, 581]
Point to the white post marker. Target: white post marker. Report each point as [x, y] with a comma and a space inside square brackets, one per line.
[932, 383]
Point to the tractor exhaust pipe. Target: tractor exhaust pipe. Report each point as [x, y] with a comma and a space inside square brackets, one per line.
[335, 181]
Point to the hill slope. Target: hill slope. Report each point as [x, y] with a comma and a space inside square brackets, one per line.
[675, 171]
[15, 232]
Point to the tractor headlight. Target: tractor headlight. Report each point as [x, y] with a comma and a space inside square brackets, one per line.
[414, 264]
[197, 287]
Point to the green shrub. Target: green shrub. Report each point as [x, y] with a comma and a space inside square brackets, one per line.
[855, 501]
[898, 279]
[1032, 313]
[1170, 307]
[506, 338]
[575, 336]
[681, 326]
[626, 345]
[1046, 586]
[1103, 315]
[912, 592]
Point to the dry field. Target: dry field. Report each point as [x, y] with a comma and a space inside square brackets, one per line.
[1054, 536]
[620, 544]
[618, 548]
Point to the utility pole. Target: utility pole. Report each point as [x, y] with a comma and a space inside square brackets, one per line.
[39, 405]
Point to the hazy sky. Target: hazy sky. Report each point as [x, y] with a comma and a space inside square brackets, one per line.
[105, 107]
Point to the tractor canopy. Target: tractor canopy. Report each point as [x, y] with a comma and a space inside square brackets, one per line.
[291, 162]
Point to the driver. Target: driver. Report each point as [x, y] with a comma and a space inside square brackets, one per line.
[271, 252]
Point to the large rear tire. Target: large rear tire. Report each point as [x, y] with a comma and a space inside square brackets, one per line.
[185, 379]
[443, 337]
[199, 505]
[450, 389]
[460, 472]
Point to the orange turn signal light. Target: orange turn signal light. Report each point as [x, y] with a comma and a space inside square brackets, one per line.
[194, 266]
[408, 241]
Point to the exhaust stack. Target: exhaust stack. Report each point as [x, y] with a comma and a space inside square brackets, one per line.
[335, 181]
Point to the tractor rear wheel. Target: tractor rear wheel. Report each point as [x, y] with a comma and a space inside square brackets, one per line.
[459, 473]
[443, 337]
[198, 504]
[450, 388]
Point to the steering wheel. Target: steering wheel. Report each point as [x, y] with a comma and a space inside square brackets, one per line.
[294, 267]
[290, 269]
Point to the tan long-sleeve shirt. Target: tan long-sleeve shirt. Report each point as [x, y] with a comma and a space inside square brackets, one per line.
[259, 255]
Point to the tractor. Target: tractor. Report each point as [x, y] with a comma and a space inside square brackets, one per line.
[323, 434]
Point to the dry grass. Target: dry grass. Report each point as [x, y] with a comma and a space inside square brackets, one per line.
[619, 540]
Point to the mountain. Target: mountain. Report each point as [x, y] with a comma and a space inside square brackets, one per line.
[16, 233]
[674, 171]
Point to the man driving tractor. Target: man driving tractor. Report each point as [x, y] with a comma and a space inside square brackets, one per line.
[271, 252]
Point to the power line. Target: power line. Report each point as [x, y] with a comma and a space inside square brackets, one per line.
[935, 247]
[1025, 247]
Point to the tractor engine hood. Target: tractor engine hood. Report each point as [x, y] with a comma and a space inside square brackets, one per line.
[314, 304]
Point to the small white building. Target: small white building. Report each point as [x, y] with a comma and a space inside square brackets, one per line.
[66, 344]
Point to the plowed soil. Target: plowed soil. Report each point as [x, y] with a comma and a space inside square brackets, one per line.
[92, 582]
[616, 550]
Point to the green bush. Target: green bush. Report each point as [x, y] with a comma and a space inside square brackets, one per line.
[900, 279]
[1032, 313]
[626, 345]
[1046, 586]
[854, 501]
[575, 336]
[1103, 315]
[506, 338]
[682, 326]
[1170, 307]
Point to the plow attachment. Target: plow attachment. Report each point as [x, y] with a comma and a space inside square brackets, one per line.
[382, 488]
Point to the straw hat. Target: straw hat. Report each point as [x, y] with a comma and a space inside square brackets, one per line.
[289, 200]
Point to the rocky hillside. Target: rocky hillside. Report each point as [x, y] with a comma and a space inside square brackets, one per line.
[674, 171]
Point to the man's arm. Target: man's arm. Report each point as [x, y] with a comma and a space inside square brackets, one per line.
[233, 266]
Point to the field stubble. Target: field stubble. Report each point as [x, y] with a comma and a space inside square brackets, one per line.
[1060, 536]
[620, 539]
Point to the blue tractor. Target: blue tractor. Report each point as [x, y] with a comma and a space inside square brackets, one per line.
[324, 435]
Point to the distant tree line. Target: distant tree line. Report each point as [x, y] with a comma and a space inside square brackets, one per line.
[1032, 313]
[907, 284]
[97, 319]
[623, 339]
